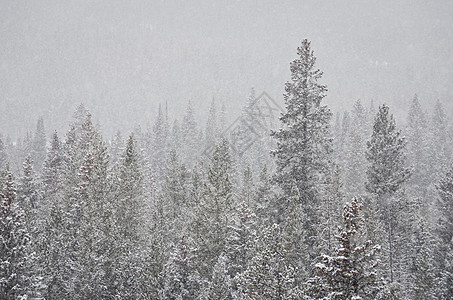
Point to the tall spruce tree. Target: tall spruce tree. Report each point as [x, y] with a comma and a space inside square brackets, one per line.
[304, 145]
[3, 154]
[386, 175]
[350, 271]
[214, 213]
[14, 240]
[129, 227]
[190, 137]
[268, 274]
[417, 144]
[440, 152]
[445, 232]
[386, 157]
[355, 166]
[294, 236]
[39, 145]
[181, 278]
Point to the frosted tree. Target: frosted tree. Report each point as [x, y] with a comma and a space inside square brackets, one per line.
[116, 147]
[175, 136]
[422, 272]
[445, 231]
[417, 143]
[268, 275]
[51, 176]
[386, 174]
[14, 240]
[181, 281]
[93, 194]
[250, 136]
[28, 187]
[248, 187]
[265, 204]
[158, 145]
[242, 235]
[440, 151]
[39, 145]
[175, 194]
[354, 168]
[190, 136]
[29, 199]
[294, 235]
[213, 214]
[350, 271]
[211, 132]
[303, 143]
[221, 285]
[129, 227]
[222, 118]
[386, 157]
[3, 155]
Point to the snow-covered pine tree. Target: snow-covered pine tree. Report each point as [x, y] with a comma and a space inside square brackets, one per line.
[221, 285]
[386, 172]
[303, 143]
[14, 240]
[175, 136]
[181, 278]
[39, 145]
[3, 154]
[51, 175]
[440, 152]
[28, 188]
[159, 145]
[116, 147]
[386, 175]
[93, 195]
[190, 137]
[294, 236]
[417, 145]
[240, 243]
[445, 232]
[265, 203]
[350, 271]
[222, 118]
[129, 227]
[174, 193]
[214, 212]
[268, 274]
[211, 131]
[248, 187]
[355, 165]
[422, 270]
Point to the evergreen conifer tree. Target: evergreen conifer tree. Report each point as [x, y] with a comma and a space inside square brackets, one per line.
[303, 143]
[14, 239]
[181, 277]
[386, 175]
[39, 145]
[214, 212]
[268, 275]
[350, 271]
[445, 232]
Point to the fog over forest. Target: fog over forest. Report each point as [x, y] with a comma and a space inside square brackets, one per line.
[122, 58]
[226, 150]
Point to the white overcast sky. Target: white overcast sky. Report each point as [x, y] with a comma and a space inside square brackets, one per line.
[123, 58]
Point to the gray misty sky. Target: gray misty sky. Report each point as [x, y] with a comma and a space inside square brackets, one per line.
[123, 58]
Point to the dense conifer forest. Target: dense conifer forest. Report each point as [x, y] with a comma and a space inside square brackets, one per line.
[283, 203]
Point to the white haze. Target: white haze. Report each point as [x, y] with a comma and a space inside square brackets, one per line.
[123, 58]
